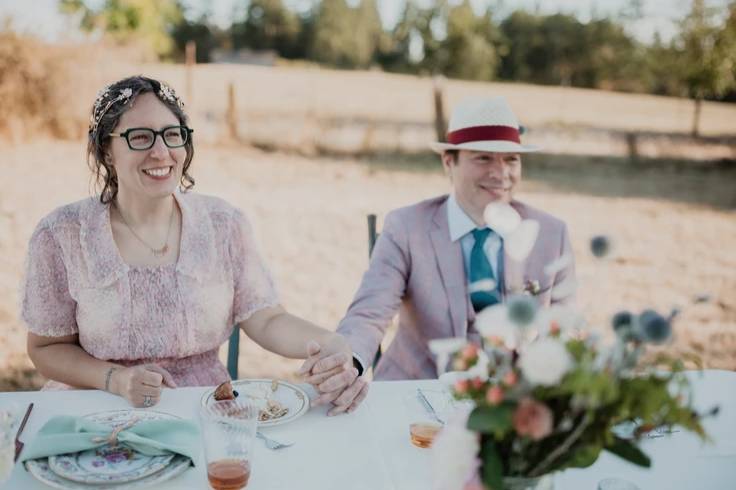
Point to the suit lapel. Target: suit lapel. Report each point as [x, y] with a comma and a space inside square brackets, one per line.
[449, 256]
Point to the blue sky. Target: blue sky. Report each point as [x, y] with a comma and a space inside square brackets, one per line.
[41, 17]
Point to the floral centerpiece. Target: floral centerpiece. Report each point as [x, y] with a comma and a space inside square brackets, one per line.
[546, 395]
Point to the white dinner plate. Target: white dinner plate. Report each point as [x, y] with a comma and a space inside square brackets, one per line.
[286, 395]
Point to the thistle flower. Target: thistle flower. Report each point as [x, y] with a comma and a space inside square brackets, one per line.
[522, 310]
[653, 327]
[623, 323]
[600, 246]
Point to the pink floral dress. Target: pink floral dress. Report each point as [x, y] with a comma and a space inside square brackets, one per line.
[177, 315]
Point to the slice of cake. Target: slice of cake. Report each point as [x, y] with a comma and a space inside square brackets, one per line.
[225, 392]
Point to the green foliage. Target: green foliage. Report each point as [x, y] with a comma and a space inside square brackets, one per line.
[450, 38]
[707, 55]
[269, 25]
[491, 420]
[492, 472]
[468, 51]
[347, 37]
[628, 451]
[150, 23]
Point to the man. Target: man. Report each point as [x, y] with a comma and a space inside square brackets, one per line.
[431, 256]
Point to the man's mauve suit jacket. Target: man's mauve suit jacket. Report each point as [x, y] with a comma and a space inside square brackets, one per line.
[417, 270]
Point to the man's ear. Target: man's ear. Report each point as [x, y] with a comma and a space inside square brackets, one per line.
[448, 160]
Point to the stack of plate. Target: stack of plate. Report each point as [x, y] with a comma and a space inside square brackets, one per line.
[109, 467]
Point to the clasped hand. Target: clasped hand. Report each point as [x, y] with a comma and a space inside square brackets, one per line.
[329, 368]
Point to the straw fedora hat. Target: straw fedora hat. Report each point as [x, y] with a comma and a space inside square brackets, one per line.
[486, 124]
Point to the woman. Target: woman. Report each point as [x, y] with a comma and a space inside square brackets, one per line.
[138, 289]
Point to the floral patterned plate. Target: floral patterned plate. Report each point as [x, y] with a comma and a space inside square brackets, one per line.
[39, 468]
[108, 467]
[283, 401]
[111, 464]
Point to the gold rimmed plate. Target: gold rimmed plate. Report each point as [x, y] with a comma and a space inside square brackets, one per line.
[283, 402]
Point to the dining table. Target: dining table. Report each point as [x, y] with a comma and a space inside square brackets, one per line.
[370, 448]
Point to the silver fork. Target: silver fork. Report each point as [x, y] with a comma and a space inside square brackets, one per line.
[272, 443]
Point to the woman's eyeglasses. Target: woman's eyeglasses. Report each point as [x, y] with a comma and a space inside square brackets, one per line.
[144, 138]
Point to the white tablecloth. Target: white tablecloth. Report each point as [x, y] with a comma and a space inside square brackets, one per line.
[370, 448]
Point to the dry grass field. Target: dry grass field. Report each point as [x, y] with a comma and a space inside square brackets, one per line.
[673, 222]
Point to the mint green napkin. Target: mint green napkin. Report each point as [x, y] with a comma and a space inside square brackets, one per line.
[67, 434]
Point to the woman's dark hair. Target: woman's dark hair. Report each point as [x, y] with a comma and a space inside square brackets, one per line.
[111, 110]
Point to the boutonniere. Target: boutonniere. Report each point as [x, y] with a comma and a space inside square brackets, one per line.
[531, 287]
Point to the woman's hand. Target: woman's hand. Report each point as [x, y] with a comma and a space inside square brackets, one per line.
[330, 370]
[141, 385]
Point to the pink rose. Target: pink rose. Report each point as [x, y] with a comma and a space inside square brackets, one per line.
[470, 352]
[532, 419]
[460, 364]
[477, 383]
[510, 378]
[494, 395]
[462, 386]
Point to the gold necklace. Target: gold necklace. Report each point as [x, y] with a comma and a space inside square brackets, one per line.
[157, 252]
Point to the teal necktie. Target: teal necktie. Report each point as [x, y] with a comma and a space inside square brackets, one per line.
[481, 270]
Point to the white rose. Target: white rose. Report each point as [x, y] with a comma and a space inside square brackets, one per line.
[520, 242]
[502, 218]
[494, 322]
[545, 362]
[567, 318]
[454, 453]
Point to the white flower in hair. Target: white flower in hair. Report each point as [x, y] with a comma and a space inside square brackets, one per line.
[168, 93]
[125, 93]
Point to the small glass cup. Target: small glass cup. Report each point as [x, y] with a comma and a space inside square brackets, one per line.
[228, 431]
[423, 425]
[10, 417]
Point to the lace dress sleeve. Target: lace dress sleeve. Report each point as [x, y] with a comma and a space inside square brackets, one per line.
[46, 306]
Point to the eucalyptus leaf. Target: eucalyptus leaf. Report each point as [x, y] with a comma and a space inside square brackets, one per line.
[492, 471]
[491, 420]
[630, 452]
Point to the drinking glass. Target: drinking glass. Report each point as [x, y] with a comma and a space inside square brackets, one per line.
[10, 416]
[228, 431]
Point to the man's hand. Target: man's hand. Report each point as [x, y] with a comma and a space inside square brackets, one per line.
[330, 370]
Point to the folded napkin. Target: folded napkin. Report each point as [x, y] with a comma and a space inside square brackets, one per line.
[67, 434]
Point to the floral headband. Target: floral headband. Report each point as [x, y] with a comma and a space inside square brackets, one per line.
[106, 99]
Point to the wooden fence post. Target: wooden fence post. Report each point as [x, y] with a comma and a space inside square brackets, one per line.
[191, 60]
[440, 126]
[631, 147]
[231, 116]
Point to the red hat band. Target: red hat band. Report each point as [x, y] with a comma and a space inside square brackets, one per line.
[483, 133]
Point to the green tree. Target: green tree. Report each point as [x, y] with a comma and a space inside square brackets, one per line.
[369, 36]
[269, 25]
[707, 55]
[524, 42]
[394, 52]
[143, 21]
[333, 34]
[206, 37]
[469, 50]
